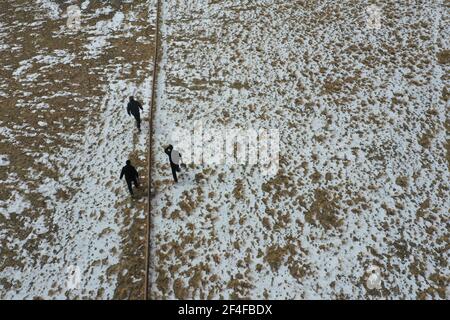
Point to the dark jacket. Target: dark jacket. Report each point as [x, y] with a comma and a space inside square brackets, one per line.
[133, 107]
[130, 172]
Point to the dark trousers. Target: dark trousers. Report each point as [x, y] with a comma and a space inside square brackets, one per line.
[175, 169]
[137, 116]
[130, 186]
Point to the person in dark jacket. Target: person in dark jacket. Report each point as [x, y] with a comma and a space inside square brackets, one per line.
[133, 109]
[131, 176]
[174, 159]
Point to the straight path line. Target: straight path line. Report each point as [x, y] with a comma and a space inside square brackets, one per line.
[150, 157]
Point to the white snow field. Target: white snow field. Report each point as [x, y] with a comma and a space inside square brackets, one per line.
[67, 224]
[359, 96]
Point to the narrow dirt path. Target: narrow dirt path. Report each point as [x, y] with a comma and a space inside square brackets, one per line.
[150, 156]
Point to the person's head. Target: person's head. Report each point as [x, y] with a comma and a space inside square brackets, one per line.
[131, 98]
[170, 147]
[128, 162]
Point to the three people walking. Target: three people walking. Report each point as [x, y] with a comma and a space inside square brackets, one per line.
[129, 171]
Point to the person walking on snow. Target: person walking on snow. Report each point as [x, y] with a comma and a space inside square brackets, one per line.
[133, 109]
[174, 159]
[131, 176]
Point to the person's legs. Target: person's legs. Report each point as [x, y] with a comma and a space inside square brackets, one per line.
[138, 121]
[130, 188]
[136, 183]
[174, 172]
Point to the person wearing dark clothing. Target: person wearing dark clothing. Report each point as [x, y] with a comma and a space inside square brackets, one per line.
[133, 109]
[174, 159]
[131, 176]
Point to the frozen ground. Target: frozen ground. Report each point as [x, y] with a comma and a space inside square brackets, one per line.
[364, 154]
[64, 136]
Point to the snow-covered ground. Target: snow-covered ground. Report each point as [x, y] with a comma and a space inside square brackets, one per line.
[353, 96]
[68, 228]
[359, 96]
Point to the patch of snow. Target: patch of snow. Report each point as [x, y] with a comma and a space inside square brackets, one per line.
[4, 160]
[51, 7]
[44, 62]
[15, 205]
[102, 32]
